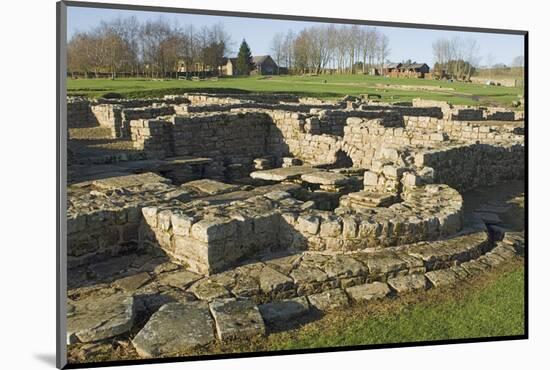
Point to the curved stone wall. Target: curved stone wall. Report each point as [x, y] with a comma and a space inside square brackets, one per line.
[210, 238]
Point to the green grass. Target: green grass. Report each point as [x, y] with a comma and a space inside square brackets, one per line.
[495, 310]
[329, 86]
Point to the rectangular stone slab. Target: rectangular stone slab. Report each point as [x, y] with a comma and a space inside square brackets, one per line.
[129, 181]
[369, 291]
[237, 319]
[329, 300]
[97, 318]
[373, 199]
[283, 311]
[175, 328]
[283, 173]
[211, 187]
[325, 178]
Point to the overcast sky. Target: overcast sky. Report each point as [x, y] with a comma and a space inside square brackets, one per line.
[405, 43]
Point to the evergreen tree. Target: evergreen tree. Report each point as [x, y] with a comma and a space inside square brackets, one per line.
[244, 59]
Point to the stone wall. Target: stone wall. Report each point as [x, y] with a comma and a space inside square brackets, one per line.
[221, 135]
[96, 235]
[153, 137]
[140, 103]
[212, 239]
[428, 111]
[332, 122]
[250, 105]
[201, 98]
[104, 216]
[108, 115]
[466, 113]
[364, 140]
[117, 118]
[458, 130]
[79, 113]
[466, 167]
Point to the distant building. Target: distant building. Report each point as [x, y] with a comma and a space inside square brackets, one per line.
[184, 67]
[263, 65]
[229, 67]
[407, 70]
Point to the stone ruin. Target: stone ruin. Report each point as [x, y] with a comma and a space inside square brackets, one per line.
[228, 215]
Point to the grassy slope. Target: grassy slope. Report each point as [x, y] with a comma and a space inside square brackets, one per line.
[496, 310]
[335, 86]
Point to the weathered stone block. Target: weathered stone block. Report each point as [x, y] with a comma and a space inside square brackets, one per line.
[282, 312]
[442, 277]
[308, 224]
[181, 224]
[209, 290]
[330, 228]
[237, 319]
[370, 178]
[329, 300]
[175, 328]
[209, 230]
[407, 283]
[150, 215]
[369, 291]
[97, 318]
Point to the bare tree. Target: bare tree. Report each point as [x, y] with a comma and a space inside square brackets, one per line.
[471, 56]
[383, 50]
[277, 49]
[518, 61]
[289, 49]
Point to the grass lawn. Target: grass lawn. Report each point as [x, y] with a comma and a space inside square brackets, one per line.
[496, 310]
[329, 86]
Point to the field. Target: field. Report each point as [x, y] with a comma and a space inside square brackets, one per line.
[323, 86]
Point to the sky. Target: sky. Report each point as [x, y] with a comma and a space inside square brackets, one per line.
[405, 43]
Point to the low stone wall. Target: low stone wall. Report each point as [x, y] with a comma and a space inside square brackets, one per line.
[466, 113]
[201, 98]
[141, 103]
[428, 111]
[221, 135]
[212, 239]
[469, 166]
[300, 135]
[332, 122]
[79, 113]
[153, 137]
[364, 140]
[108, 115]
[97, 234]
[103, 221]
[458, 130]
[248, 105]
[118, 118]
[499, 114]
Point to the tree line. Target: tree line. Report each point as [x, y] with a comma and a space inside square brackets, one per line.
[154, 48]
[456, 58]
[331, 49]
